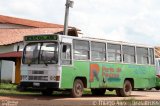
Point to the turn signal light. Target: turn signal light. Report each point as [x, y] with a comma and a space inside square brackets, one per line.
[57, 78]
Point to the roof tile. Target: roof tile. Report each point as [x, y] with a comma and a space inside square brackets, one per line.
[26, 22]
[10, 36]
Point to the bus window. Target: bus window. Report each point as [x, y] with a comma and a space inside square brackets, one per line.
[81, 49]
[31, 52]
[128, 54]
[49, 53]
[40, 53]
[142, 55]
[66, 54]
[151, 55]
[98, 51]
[114, 52]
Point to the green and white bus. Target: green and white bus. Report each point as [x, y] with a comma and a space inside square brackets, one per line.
[59, 62]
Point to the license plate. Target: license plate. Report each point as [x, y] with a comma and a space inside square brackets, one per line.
[36, 84]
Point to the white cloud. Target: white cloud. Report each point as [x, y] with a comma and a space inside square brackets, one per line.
[113, 17]
[51, 11]
[126, 20]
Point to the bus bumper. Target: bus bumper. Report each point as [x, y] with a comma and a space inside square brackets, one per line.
[39, 85]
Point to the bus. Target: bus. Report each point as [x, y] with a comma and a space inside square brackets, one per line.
[54, 62]
[157, 63]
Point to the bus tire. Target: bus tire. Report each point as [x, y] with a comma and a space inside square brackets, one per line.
[77, 90]
[47, 92]
[98, 91]
[118, 92]
[126, 90]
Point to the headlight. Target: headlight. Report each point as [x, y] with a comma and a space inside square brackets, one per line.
[56, 78]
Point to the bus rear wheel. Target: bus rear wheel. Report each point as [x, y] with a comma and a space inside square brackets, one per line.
[77, 90]
[157, 88]
[126, 90]
[98, 91]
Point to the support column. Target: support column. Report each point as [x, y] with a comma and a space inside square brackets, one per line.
[17, 71]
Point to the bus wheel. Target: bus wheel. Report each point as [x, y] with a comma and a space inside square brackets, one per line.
[118, 92]
[126, 90]
[47, 92]
[98, 91]
[78, 87]
[157, 88]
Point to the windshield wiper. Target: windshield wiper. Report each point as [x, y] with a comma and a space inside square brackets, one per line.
[29, 64]
[43, 60]
[45, 63]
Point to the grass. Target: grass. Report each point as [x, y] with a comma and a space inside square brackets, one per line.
[7, 86]
[11, 89]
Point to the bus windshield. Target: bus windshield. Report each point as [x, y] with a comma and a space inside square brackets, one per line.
[40, 53]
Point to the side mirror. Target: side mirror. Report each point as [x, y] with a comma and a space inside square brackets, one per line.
[64, 49]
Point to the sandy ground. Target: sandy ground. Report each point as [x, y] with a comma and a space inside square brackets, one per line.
[66, 100]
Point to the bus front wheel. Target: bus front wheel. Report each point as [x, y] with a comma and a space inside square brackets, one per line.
[126, 90]
[77, 89]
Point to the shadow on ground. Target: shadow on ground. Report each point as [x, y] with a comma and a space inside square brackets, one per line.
[38, 96]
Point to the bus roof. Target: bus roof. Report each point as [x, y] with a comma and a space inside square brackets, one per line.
[49, 37]
[106, 41]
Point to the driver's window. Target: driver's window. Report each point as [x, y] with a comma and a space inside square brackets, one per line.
[66, 54]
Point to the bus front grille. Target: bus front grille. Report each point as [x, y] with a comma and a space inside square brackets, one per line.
[36, 72]
[38, 78]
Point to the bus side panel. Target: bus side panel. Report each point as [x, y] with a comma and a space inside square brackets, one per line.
[142, 76]
[113, 75]
[105, 75]
[69, 73]
[145, 76]
[108, 75]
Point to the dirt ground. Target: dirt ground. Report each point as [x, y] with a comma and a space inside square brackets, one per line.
[66, 100]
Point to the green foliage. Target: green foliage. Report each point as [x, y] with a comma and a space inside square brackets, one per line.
[7, 86]
[11, 89]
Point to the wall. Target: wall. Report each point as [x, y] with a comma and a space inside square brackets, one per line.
[6, 66]
[7, 70]
[8, 48]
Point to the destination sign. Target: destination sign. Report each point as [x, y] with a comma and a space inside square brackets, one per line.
[41, 38]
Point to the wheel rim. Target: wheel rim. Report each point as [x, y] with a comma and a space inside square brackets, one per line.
[78, 89]
[127, 88]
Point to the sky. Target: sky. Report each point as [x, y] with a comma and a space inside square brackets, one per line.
[136, 21]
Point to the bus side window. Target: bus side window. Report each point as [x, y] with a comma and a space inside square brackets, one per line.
[98, 51]
[142, 55]
[129, 54]
[81, 50]
[66, 54]
[64, 48]
[114, 52]
[151, 56]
